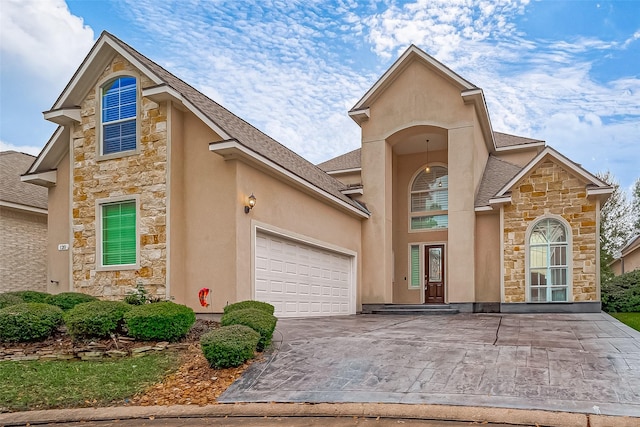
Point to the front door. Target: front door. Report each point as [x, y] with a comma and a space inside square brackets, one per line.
[434, 274]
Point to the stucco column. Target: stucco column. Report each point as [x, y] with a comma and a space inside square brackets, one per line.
[461, 255]
[377, 179]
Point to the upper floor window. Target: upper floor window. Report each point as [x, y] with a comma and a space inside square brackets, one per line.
[119, 112]
[549, 260]
[429, 199]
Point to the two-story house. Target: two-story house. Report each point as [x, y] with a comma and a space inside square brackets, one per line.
[152, 183]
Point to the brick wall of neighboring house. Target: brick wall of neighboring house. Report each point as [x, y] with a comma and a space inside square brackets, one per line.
[550, 189]
[142, 175]
[23, 251]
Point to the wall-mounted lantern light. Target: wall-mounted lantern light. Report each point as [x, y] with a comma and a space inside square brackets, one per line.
[251, 202]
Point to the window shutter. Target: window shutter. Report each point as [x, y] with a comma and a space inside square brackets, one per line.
[415, 266]
[119, 233]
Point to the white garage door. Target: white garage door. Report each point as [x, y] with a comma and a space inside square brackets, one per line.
[302, 280]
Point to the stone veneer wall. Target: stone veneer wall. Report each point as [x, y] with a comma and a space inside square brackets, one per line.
[143, 174]
[550, 189]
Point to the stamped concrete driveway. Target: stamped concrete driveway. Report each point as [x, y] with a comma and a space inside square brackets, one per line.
[586, 363]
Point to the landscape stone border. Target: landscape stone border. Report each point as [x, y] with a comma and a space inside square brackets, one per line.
[91, 351]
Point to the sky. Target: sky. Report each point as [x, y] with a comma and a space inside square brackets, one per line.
[567, 72]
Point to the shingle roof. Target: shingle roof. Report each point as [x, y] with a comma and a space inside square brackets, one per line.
[505, 140]
[350, 160]
[245, 133]
[497, 173]
[12, 165]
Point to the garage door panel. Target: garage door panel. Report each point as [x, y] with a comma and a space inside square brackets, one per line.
[302, 280]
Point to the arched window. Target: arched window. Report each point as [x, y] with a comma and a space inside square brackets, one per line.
[549, 261]
[429, 199]
[119, 112]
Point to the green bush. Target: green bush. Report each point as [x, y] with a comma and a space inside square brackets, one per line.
[164, 321]
[261, 322]
[29, 321]
[96, 319]
[622, 293]
[8, 299]
[229, 346]
[258, 305]
[68, 300]
[31, 296]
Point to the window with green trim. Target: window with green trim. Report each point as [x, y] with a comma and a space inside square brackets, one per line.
[414, 254]
[119, 233]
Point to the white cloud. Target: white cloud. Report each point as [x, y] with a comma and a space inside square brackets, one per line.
[29, 149]
[43, 38]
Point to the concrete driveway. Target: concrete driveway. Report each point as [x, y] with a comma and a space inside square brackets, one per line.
[586, 363]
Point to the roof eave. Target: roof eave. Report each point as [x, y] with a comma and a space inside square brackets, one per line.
[52, 152]
[63, 116]
[232, 149]
[475, 97]
[43, 179]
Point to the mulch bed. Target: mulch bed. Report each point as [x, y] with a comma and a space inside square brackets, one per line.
[194, 383]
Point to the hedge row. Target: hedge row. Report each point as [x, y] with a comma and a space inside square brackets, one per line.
[87, 317]
[622, 293]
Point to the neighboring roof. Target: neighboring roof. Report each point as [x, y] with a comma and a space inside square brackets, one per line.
[633, 244]
[12, 190]
[497, 173]
[504, 140]
[348, 161]
[225, 123]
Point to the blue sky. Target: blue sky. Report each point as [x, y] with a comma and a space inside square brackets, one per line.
[567, 72]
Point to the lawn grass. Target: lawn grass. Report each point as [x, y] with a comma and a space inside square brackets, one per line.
[56, 384]
[631, 319]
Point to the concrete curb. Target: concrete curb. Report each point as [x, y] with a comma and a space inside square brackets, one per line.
[394, 410]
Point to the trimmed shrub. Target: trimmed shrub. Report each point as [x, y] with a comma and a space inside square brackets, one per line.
[258, 305]
[68, 300]
[258, 320]
[166, 321]
[96, 319]
[29, 321]
[8, 299]
[622, 293]
[229, 346]
[31, 296]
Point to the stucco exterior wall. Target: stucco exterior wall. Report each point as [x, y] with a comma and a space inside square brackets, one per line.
[204, 217]
[297, 212]
[520, 157]
[59, 220]
[141, 175]
[487, 286]
[629, 262]
[405, 168]
[418, 96]
[550, 189]
[23, 250]
[349, 178]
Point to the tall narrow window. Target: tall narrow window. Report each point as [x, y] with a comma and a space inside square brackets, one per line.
[119, 233]
[119, 112]
[415, 266]
[429, 199]
[548, 262]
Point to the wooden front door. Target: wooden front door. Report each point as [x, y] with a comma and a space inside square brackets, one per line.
[434, 274]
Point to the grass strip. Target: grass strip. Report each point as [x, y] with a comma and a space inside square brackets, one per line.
[630, 319]
[33, 385]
